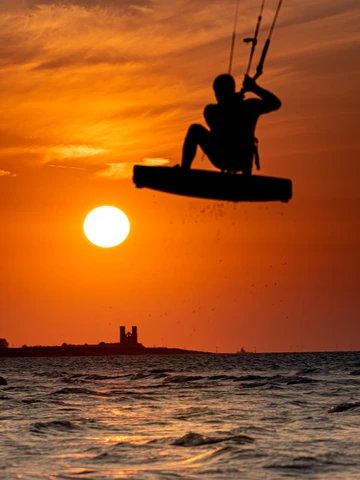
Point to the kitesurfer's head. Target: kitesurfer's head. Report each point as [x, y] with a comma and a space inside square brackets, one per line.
[224, 87]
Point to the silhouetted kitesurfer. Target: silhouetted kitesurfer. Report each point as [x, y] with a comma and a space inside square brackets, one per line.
[230, 144]
[229, 141]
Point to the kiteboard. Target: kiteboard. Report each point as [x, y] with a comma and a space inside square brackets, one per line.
[213, 185]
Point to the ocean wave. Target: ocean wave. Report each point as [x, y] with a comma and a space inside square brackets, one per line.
[304, 463]
[250, 378]
[75, 391]
[127, 453]
[193, 439]
[160, 370]
[254, 384]
[306, 371]
[55, 426]
[278, 380]
[222, 377]
[299, 380]
[183, 378]
[53, 374]
[30, 401]
[342, 407]
[105, 377]
[325, 463]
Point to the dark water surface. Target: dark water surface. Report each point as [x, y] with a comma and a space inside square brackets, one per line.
[263, 416]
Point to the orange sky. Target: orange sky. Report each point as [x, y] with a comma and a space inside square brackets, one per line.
[90, 88]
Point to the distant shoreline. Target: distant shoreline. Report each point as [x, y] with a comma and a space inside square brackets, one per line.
[114, 349]
[101, 350]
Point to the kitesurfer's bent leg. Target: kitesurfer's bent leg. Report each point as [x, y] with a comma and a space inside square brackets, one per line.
[196, 135]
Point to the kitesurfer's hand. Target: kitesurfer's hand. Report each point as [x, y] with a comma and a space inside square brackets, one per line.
[249, 84]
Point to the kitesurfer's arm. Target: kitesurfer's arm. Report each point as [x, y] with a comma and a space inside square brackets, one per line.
[211, 116]
[270, 102]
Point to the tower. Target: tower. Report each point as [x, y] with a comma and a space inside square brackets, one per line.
[134, 335]
[128, 339]
[122, 335]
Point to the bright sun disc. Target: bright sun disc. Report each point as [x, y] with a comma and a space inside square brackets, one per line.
[106, 226]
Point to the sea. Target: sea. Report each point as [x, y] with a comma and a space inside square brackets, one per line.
[205, 416]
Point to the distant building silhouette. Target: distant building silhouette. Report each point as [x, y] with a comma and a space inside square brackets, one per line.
[129, 339]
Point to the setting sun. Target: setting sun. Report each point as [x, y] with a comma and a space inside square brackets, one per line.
[106, 226]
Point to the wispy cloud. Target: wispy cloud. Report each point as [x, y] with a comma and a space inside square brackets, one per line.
[4, 173]
[65, 166]
[122, 170]
[61, 152]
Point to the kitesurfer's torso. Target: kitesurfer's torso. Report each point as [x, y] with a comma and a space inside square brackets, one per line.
[232, 123]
